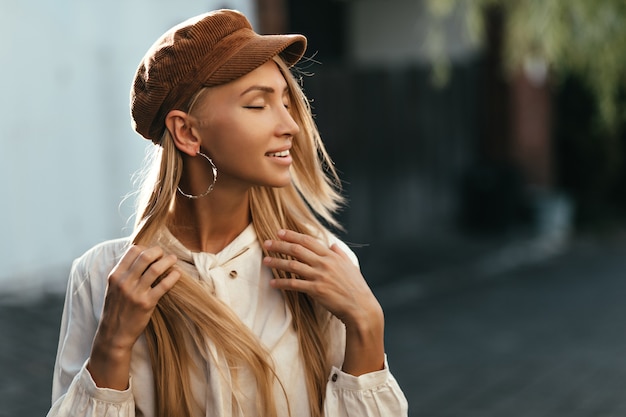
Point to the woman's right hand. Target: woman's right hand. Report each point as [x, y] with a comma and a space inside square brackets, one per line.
[135, 286]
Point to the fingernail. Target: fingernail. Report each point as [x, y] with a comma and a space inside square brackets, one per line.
[267, 243]
[281, 233]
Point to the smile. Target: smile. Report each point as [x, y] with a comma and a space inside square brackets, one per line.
[280, 154]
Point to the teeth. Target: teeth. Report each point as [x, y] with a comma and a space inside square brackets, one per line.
[279, 154]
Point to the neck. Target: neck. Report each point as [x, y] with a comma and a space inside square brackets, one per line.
[210, 223]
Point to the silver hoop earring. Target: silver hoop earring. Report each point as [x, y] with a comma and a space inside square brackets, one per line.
[213, 169]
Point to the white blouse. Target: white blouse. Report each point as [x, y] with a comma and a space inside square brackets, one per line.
[238, 278]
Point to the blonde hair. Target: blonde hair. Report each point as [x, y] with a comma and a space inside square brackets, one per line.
[189, 316]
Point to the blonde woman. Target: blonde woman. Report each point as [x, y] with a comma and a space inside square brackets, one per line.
[230, 298]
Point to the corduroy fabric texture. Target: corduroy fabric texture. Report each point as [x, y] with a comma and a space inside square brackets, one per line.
[204, 51]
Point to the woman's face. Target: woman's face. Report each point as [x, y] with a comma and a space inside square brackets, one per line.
[246, 128]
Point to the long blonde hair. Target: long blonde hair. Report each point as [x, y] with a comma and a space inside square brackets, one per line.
[188, 316]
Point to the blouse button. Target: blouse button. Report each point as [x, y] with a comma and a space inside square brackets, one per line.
[232, 274]
[334, 378]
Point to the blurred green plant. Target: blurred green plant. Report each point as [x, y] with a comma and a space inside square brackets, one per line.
[584, 38]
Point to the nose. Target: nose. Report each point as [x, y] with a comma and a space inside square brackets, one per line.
[287, 126]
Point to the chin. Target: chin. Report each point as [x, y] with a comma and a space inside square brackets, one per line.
[280, 181]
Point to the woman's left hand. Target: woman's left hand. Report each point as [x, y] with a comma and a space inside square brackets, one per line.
[329, 276]
[325, 273]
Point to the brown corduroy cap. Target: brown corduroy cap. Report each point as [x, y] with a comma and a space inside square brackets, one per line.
[204, 51]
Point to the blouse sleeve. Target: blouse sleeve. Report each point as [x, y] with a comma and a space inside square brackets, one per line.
[74, 392]
[84, 399]
[376, 394]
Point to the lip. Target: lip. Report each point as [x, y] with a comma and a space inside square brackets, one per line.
[282, 160]
[284, 148]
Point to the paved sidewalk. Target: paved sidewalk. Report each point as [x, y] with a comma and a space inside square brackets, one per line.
[28, 343]
[529, 337]
[544, 340]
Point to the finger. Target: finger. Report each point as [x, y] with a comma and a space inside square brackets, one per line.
[290, 265]
[306, 241]
[290, 249]
[156, 270]
[122, 271]
[166, 283]
[129, 257]
[289, 284]
[146, 258]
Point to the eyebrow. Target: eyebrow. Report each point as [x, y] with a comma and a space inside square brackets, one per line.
[264, 89]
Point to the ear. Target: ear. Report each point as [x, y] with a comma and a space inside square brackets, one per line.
[179, 124]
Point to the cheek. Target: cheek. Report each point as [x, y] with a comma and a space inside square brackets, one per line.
[234, 140]
[234, 134]
[233, 149]
[219, 135]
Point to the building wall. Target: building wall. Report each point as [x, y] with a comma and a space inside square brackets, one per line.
[396, 32]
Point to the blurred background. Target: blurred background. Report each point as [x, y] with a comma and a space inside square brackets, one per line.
[482, 148]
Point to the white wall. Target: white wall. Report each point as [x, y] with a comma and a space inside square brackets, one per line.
[67, 150]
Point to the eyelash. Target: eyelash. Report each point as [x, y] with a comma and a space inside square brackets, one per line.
[262, 107]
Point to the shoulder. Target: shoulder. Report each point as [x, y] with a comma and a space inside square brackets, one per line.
[101, 258]
[89, 273]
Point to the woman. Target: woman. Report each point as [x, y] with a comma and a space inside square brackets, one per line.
[231, 297]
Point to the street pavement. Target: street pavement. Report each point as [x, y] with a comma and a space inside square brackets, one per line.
[535, 336]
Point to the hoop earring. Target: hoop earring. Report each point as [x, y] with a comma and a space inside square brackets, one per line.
[213, 169]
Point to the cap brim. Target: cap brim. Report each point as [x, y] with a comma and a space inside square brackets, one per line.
[256, 52]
